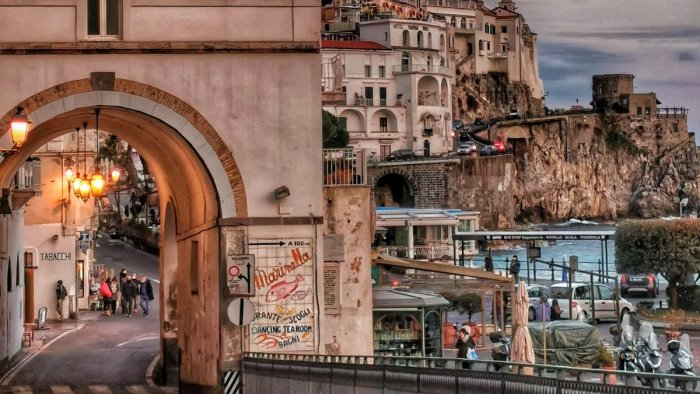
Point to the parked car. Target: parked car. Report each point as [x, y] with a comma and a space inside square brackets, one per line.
[478, 121]
[603, 297]
[639, 283]
[534, 292]
[489, 150]
[401, 154]
[466, 148]
[513, 114]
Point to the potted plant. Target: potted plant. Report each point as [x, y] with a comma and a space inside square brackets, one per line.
[605, 360]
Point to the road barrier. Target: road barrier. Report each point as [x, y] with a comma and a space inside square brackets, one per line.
[267, 373]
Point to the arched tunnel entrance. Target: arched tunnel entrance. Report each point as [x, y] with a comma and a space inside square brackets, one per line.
[393, 190]
[195, 192]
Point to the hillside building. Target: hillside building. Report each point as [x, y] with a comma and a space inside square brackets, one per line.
[389, 66]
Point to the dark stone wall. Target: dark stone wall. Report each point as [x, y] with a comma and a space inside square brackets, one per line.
[481, 184]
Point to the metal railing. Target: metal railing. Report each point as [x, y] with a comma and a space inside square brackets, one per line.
[28, 176]
[422, 68]
[424, 252]
[498, 55]
[344, 167]
[466, 4]
[265, 372]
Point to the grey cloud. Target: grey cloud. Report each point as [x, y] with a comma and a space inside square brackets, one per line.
[686, 57]
[687, 33]
[562, 61]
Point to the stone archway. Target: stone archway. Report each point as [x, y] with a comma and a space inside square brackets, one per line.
[153, 101]
[394, 187]
[199, 184]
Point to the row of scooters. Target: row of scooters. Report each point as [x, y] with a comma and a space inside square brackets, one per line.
[640, 355]
[643, 355]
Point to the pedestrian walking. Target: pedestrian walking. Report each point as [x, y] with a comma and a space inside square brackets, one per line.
[465, 346]
[61, 294]
[146, 293]
[122, 284]
[515, 267]
[106, 294]
[129, 292]
[114, 287]
[543, 311]
[137, 297]
[488, 262]
[556, 310]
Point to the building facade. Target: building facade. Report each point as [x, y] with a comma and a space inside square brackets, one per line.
[201, 90]
[407, 56]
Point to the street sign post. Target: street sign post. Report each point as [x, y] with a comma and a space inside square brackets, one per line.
[239, 274]
[241, 311]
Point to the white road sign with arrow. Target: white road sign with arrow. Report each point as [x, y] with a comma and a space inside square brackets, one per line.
[239, 274]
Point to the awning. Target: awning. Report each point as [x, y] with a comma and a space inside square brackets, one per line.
[394, 298]
[383, 259]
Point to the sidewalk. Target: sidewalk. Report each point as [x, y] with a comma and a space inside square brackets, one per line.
[43, 337]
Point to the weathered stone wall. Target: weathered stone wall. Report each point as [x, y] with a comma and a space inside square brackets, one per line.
[483, 184]
[427, 180]
[347, 279]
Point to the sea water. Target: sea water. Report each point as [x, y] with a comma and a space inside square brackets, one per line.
[591, 254]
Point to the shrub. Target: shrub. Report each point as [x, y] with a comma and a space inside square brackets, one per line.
[671, 248]
[618, 141]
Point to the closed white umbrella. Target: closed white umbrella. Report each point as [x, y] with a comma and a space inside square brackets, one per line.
[522, 350]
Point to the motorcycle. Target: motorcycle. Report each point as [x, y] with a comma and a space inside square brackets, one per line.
[501, 348]
[681, 363]
[648, 359]
[625, 350]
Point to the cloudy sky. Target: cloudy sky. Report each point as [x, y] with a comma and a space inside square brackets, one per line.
[656, 40]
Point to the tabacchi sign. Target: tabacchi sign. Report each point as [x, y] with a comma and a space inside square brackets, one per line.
[284, 308]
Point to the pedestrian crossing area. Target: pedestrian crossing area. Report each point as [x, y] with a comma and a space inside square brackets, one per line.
[90, 389]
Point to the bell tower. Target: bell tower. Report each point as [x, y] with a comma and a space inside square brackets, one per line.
[507, 4]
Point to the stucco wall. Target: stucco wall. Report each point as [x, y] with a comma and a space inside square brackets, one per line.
[348, 235]
[251, 114]
[165, 20]
[54, 259]
[11, 272]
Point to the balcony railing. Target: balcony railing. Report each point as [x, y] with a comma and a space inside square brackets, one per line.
[425, 252]
[422, 68]
[344, 167]
[28, 176]
[672, 112]
[498, 55]
[465, 4]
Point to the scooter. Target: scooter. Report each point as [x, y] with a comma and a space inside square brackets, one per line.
[501, 348]
[681, 363]
[649, 360]
[626, 352]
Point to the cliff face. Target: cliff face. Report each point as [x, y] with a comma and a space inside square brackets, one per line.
[490, 96]
[593, 167]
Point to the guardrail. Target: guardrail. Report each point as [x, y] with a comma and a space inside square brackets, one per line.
[265, 373]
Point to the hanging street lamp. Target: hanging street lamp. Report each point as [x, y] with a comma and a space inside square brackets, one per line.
[19, 124]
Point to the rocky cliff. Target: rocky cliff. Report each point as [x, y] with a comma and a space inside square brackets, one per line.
[601, 166]
[491, 96]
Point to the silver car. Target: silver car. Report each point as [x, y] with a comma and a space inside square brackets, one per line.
[534, 292]
[603, 297]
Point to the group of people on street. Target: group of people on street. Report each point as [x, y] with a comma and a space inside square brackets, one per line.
[127, 290]
[547, 312]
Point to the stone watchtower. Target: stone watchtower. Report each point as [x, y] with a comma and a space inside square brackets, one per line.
[611, 92]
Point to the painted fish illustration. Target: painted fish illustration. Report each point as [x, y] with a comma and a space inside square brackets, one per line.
[299, 295]
[282, 290]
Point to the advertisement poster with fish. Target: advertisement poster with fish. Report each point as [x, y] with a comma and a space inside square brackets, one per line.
[284, 295]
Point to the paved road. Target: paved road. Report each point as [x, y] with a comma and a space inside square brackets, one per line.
[106, 355]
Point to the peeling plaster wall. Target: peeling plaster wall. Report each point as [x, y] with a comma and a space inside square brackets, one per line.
[348, 235]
